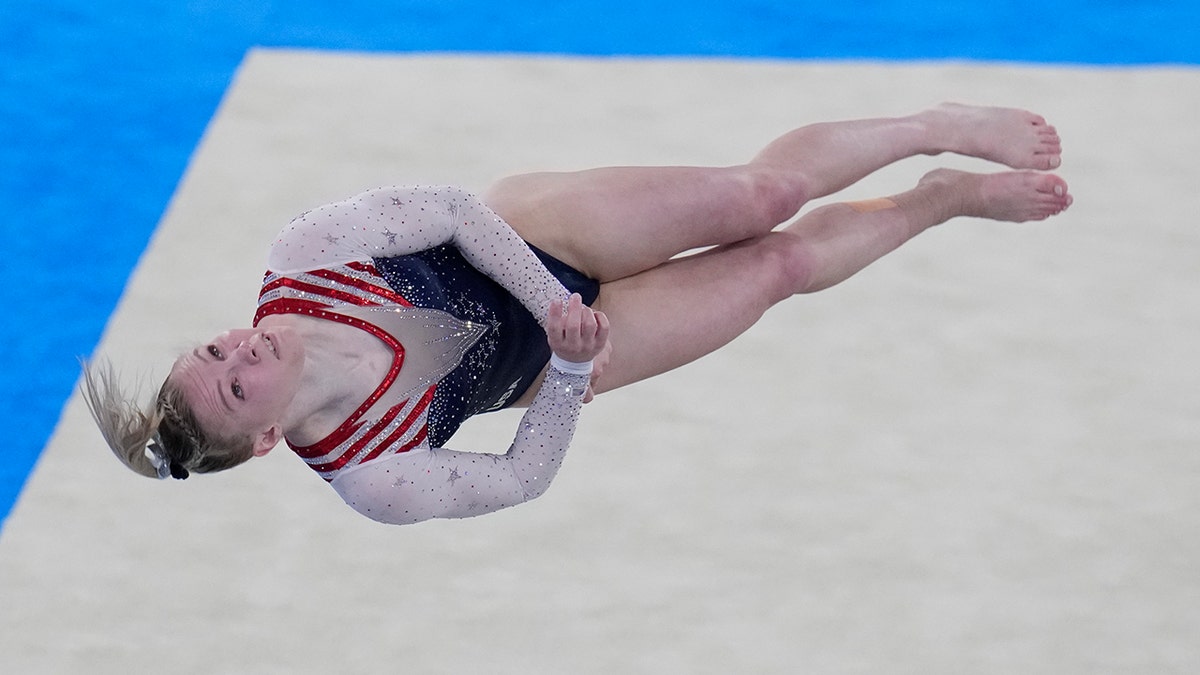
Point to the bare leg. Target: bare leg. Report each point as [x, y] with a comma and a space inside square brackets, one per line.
[615, 222]
[1016, 138]
[841, 239]
[676, 313]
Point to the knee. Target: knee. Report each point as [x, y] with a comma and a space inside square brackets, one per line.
[774, 193]
[789, 264]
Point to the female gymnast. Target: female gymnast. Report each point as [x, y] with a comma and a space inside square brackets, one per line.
[385, 320]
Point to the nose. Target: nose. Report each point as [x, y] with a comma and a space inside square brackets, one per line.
[247, 352]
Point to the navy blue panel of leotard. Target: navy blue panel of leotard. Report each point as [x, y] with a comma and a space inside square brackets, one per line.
[509, 356]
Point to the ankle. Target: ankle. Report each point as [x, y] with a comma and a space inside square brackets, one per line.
[930, 129]
[929, 205]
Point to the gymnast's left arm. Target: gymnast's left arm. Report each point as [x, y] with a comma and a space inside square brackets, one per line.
[395, 221]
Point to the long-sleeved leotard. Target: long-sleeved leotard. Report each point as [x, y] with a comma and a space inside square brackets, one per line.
[318, 266]
[395, 221]
[439, 483]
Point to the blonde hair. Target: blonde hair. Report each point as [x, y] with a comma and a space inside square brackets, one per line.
[169, 422]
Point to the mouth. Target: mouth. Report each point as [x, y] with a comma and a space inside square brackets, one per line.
[270, 342]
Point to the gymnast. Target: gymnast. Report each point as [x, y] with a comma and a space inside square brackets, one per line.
[386, 320]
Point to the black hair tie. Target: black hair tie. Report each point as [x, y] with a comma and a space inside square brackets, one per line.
[178, 472]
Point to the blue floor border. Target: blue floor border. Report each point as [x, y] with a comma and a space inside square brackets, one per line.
[103, 103]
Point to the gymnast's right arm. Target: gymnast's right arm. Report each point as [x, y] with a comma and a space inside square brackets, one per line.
[429, 482]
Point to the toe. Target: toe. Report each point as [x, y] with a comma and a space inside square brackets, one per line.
[1045, 159]
[1051, 184]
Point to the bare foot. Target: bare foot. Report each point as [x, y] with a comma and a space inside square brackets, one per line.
[1016, 138]
[1012, 196]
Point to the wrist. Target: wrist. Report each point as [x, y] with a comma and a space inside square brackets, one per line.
[570, 367]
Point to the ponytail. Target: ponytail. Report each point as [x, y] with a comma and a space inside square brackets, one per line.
[127, 428]
[159, 441]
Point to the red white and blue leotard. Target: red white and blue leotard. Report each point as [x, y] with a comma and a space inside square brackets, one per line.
[320, 293]
[434, 265]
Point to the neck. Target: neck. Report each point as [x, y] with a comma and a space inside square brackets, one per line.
[340, 370]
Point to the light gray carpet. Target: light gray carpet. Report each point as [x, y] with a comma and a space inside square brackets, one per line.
[978, 456]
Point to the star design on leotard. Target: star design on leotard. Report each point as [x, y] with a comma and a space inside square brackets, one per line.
[401, 482]
[396, 201]
[453, 476]
[391, 236]
[472, 506]
[330, 238]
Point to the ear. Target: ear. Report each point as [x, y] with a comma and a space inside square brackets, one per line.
[267, 440]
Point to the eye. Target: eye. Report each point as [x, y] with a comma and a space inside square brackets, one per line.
[236, 388]
[215, 352]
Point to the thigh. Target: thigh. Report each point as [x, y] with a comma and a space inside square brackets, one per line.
[616, 222]
[691, 306]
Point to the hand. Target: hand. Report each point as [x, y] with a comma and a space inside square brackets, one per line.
[576, 333]
[599, 363]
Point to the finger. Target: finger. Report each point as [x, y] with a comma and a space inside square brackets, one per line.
[602, 326]
[574, 309]
[575, 318]
[554, 315]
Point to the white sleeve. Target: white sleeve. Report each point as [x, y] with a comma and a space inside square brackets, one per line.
[440, 483]
[396, 221]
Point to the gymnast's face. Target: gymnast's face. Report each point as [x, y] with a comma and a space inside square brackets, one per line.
[240, 383]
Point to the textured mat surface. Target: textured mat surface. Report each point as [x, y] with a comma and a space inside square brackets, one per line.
[103, 103]
[979, 456]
